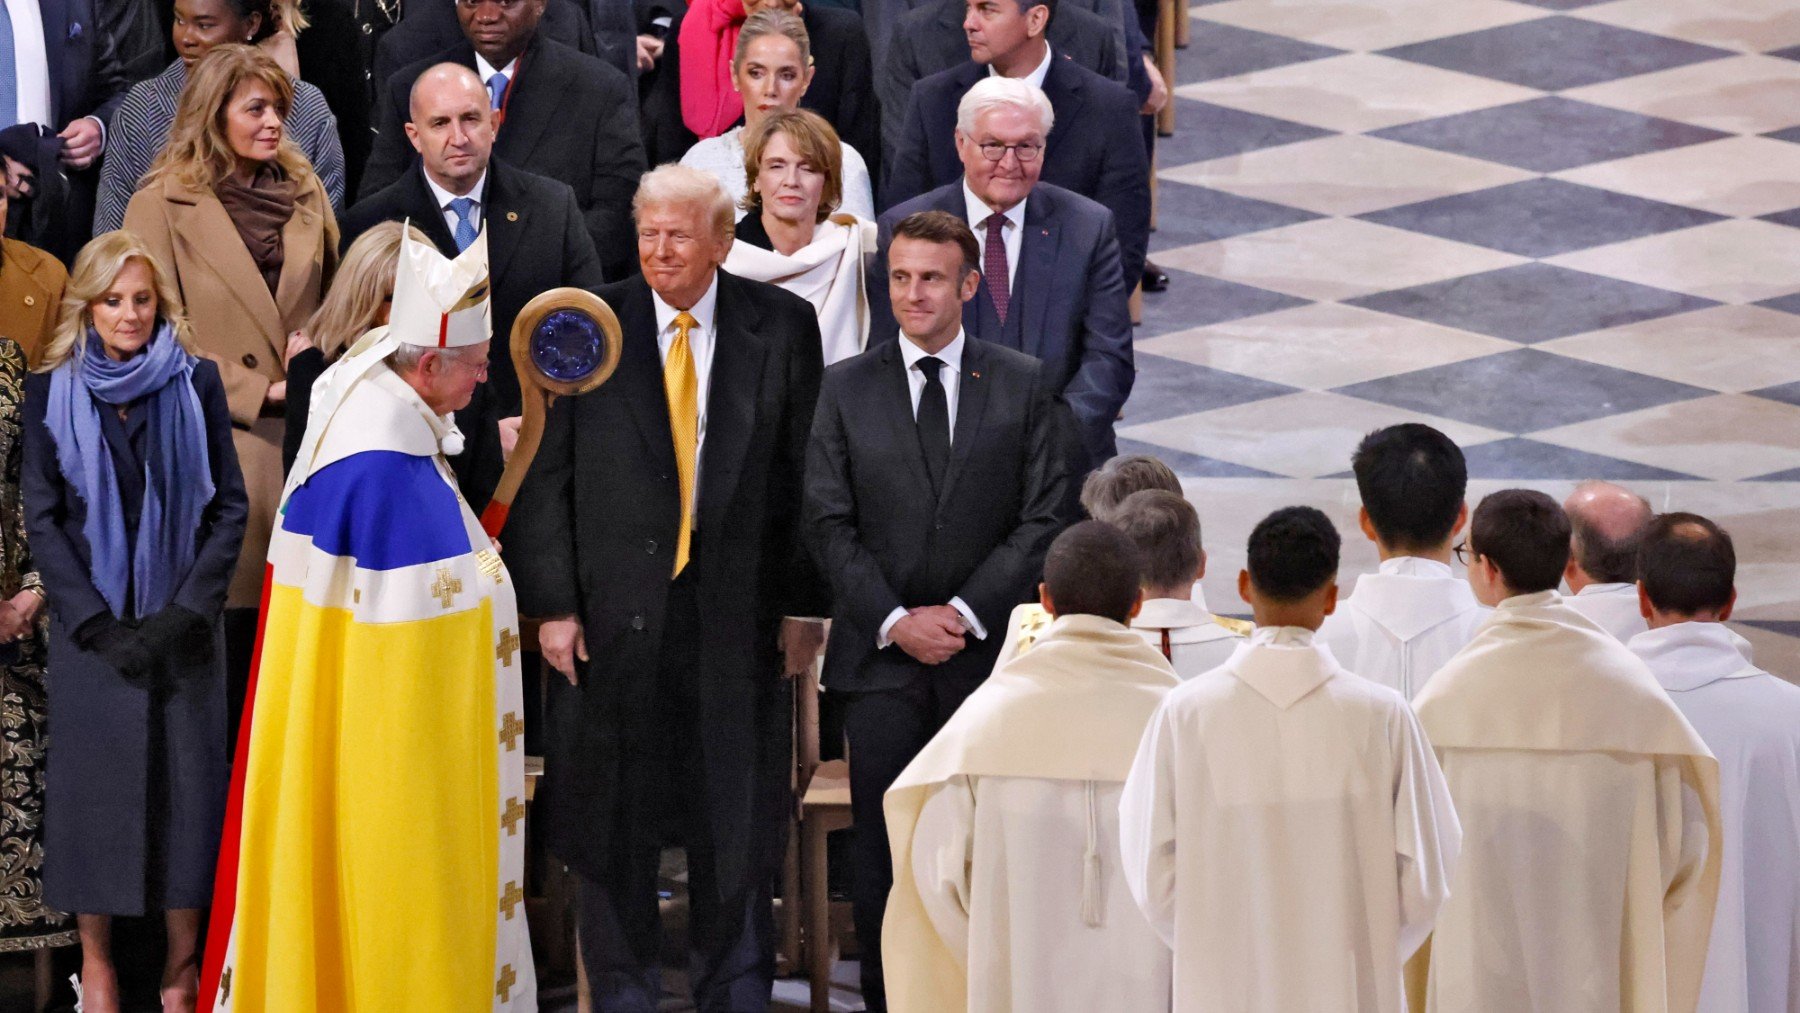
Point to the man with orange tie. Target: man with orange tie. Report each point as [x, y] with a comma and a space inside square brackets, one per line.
[657, 536]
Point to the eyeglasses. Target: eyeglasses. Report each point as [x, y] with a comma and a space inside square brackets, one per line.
[1464, 553]
[1028, 152]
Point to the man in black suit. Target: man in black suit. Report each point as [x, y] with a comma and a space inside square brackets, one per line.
[658, 536]
[537, 240]
[431, 26]
[560, 113]
[1094, 150]
[932, 39]
[1052, 287]
[933, 486]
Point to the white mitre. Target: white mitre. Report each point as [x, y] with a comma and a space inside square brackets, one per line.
[438, 302]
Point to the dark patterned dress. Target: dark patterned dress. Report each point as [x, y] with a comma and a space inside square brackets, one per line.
[25, 923]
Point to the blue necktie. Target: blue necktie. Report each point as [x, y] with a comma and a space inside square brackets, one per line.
[496, 86]
[461, 207]
[9, 72]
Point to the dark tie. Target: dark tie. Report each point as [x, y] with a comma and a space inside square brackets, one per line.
[934, 421]
[993, 266]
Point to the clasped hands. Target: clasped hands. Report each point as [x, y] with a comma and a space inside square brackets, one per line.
[930, 634]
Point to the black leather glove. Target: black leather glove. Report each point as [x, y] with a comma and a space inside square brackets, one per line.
[177, 634]
[118, 645]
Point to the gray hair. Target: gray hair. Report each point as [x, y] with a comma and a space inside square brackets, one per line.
[407, 357]
[674, 183]
[994, 92]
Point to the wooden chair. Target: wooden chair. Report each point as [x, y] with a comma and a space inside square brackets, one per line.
[1166, 32]
[822, 794]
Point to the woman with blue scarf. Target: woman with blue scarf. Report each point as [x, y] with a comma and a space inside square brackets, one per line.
[135, 510]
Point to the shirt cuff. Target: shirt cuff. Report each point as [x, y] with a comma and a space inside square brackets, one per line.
[968, 615]
[102, 125]
[887, 626]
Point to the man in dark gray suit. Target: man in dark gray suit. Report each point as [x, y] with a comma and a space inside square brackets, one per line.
[1052, 286]
[933, 486]
[932, 39]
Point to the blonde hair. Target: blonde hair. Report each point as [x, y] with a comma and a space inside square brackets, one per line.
[674, 183]
[288, 16]
[198, 154]
[363, 284]
[817, 144]
[771, 22]
[97, 266]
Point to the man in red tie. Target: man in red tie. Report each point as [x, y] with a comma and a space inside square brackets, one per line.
[1051, 281]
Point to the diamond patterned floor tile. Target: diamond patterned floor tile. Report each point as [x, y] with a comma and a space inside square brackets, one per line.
[1732, 261]
[1355, 93]
[1740, 176]
[1216, 50]
[1549, 134]
[1302, 435]
[1790, 53]
[1742, 95]
[1208, 131]
[1790, 475]
[1563, 5]
[1790, 135]
[1790, 217]
[1348, 174]
[1367, 26]
[1725, 348]
[1189, 465]
[1196, 300]
[1195, 214]
[1787, 303]
[1322, 345]
[1752, 26]
[1726, 436]
[1555, 53]
[1168, 387]
[1334, 259]
[1540, 217]
[1532, 302]
[1528, 460]
[1787, 393]
[1522, 391]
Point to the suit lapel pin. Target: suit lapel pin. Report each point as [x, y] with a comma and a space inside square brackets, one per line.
[974, 375]
[512, 216]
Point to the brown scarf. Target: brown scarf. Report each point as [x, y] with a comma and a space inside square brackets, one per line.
[260, 211]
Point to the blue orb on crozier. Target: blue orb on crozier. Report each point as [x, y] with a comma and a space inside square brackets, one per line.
[568, 346]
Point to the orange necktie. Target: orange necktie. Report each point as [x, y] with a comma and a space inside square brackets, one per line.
[682, 385]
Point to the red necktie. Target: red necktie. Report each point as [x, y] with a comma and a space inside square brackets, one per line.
[993, 266]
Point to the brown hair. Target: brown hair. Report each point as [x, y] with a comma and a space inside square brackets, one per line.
[941, 227]
[818, 145]
[198, 154]
[1166, 529]
[1108, 485]
[97, 266]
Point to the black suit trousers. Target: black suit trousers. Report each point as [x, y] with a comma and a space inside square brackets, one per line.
[886, 729]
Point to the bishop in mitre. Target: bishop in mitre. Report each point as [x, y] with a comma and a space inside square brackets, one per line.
[1285, 826]
[1008, 896]
[373, 858]
[1401, 623]
[1750, 719]
[1590, 806]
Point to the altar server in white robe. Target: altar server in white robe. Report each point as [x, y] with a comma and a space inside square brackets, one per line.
[1007, 895]
[1285, 826]
[1605, 523]
[1165, 528]
[1751, 721]
[1401, 623]
[1589, 805]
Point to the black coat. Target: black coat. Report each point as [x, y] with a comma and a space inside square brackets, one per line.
[1095, 147]
[569, 117]
[931, 39]
[137, 773]
[537, 241]
[337, 55]
[1070, 307]
[431, 26]
[887, 542]
[593, 534]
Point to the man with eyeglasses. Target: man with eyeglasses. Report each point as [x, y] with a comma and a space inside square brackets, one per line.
[1096, 149]
[558, 112]
[1052, 282]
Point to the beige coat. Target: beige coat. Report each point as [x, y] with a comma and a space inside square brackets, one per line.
[239, 326]
[31, 289]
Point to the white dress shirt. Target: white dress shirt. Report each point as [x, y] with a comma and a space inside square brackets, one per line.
[31, 65]
[1012, 230]
[1038, 73]
[700, 346]
[443, 198]
[950, 375]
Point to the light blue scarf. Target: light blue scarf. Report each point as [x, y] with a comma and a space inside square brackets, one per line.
[177, 467]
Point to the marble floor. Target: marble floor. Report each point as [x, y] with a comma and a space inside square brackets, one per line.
[1565, 232]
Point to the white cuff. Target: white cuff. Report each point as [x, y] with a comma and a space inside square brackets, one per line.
[968, 615]
[887, 626]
